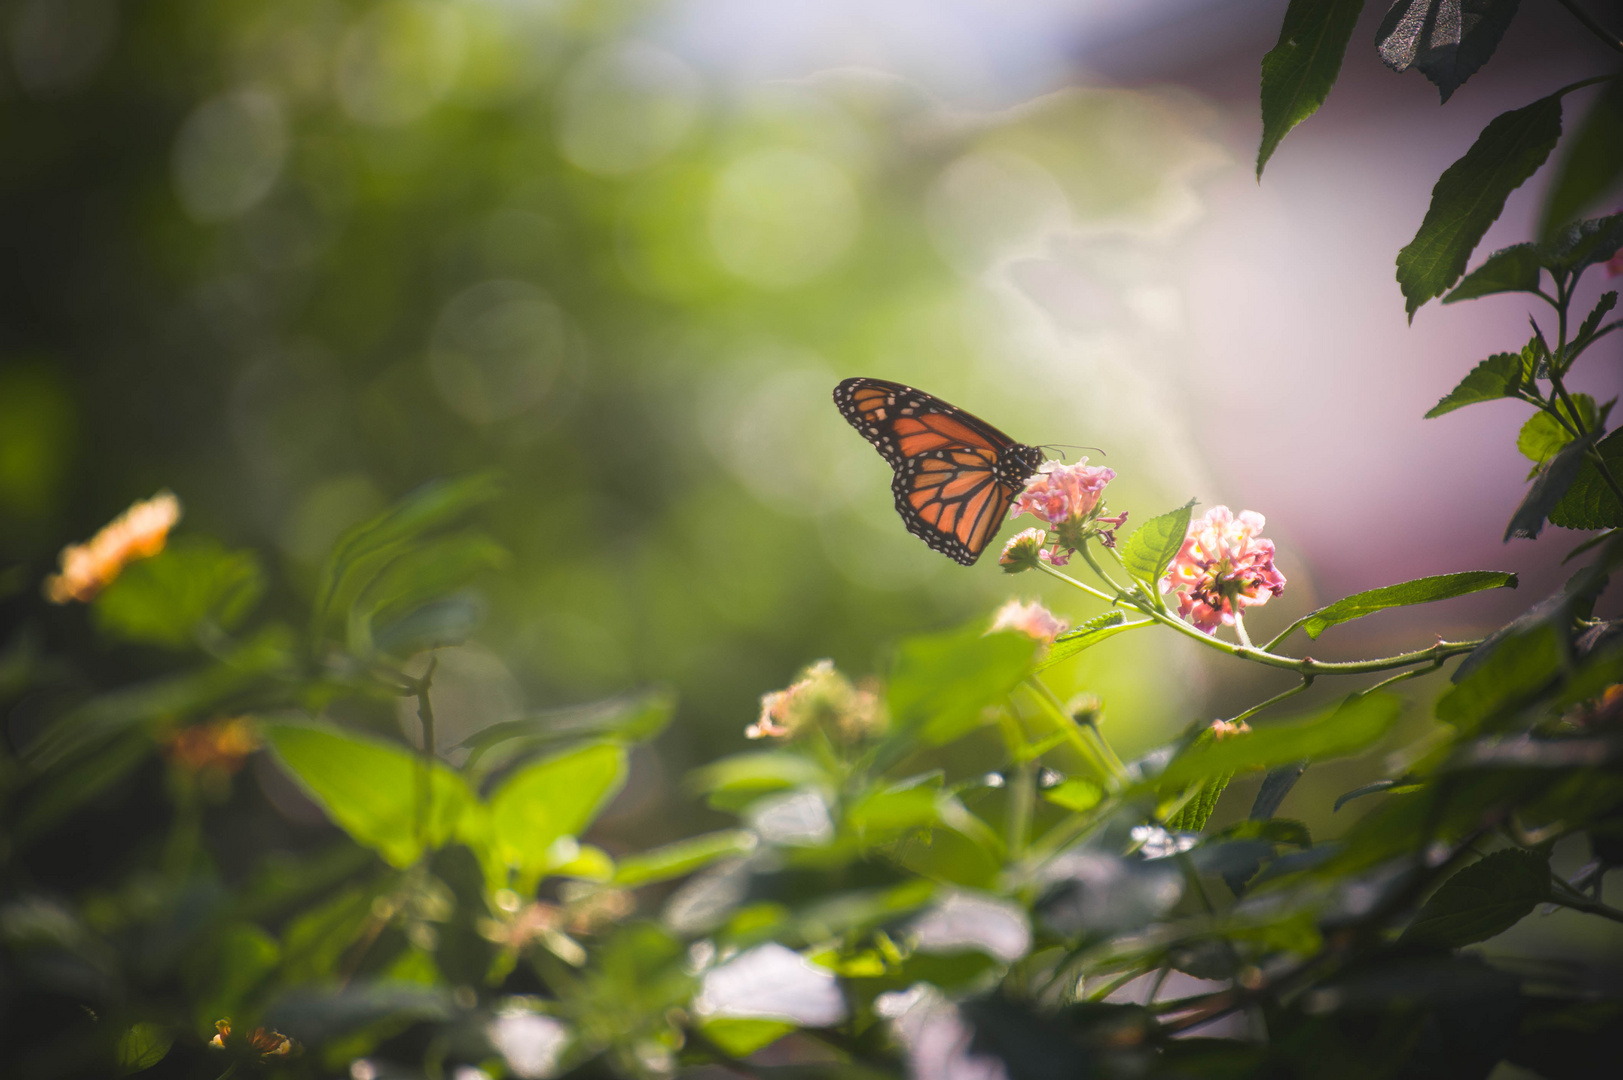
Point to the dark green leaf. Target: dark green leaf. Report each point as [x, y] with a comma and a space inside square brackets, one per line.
[682, 857]
[1470, 195]
[373, 789]
[1578, 246]
[1518, 668]
[550, 800]
[1448, 40]
[64, 789]
[1275, 786]
[1299, 71]
[166, 599]
[1593, 163]
[1482, 900]
[1097, 629]
[1499, 376]
[1424, 590]
[314, 1016]
[636, 718]
[1352, 726]
[939, 684]
[1549, 488]
[1511, 269]
[1371, 788]
[1590, 502]
[1591, 324]
[142, 1046]
[1150, 550]
[416, 576]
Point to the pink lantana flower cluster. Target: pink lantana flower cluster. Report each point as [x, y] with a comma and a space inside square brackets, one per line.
[821, 699]
[1223, 567]
[1070, 498]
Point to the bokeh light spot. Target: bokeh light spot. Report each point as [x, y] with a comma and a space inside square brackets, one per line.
[58, 45]
[779, 218]
[228, 154]
[498, 350]
[400, 60]
[624, 107]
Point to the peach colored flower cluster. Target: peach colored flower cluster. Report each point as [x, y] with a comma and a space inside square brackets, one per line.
[266, 1043]
[222, 745]
[1223, 567]
[1025, 549]
[824, 699]
[1031, 619]
[1227, 729]
[137, 533]
[1071, 499]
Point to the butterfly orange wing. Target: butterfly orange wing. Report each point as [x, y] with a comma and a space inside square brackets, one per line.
[953, 483]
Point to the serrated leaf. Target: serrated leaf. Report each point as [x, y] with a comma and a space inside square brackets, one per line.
[1352, 726]
[1548, 489]
[1483, 900]
[1424, 590]
[1300, 69]
[1470, 196]
[1097, 629]
[1591, 324]
[1511, 269]
[142, 1046]
[1543, 436]
[1578, 246]
[1590, 502]
[1499, 376]
[1593, 162]
[1448, 40]
[1150, 550]
[1194, 814]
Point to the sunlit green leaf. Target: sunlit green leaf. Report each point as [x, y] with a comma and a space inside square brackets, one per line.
[142, 1046]
[1150, 550]
[683, 857]
[1543, 436]
[1075, 794]
[1590, 502]
[1592, 164]
[384, 795]
[551, 799]
[1483, 900]
[1299, 71]
[734, 782]
[1354, 725]
[166, 599]
[883, 812]
[1470, 195]
[1097, 629]
[1424, 590]
[1194, 814]
[940, 683]
[741, 1036]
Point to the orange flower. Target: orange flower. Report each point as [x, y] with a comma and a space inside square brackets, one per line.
[218, 744]
[263, 1042]
[137, 533]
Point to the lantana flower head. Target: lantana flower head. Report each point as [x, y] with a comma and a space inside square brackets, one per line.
[137, 533]
[1025, 549]
[1031, 619]
[219, 745]
[1223, 567]
[1071, 499]
[823, 699]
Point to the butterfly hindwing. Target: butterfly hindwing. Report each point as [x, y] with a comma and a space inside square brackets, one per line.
[956, 475]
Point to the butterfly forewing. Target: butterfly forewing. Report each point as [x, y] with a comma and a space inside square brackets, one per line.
[955, 474]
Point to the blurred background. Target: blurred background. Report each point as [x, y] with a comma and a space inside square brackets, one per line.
[292, 260]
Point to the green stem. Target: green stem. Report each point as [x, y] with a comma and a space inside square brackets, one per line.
[1307, 681]
[1097, 752]
[1610, 40]
[425, 771]
[1578, 902]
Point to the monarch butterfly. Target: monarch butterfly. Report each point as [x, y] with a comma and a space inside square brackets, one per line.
[955, 473]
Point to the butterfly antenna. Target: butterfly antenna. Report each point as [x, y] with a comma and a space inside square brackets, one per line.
[1064, 446]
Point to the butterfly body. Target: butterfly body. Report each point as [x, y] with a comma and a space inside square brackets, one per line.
[956, 475]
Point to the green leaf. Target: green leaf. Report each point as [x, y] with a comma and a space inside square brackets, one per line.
[1511, 269]
[1517, 669]
[1593, 162]
[1150, 550]
[880, 813]
[1543, 436]
[371, 788]
[1589, 502]
[1354, 725]
[1419, 591]
[417, 576]
[1372, 788]
[1549, 488]
[634, 718]
[142, 1046]
[940, 683]
[166, 599]
[1075, 794]
[244, 958]
[1481, 901]
[1299, 71]
[1448, 40]
[1097, 629]
[1583, 244]
[1499, 376]
[736, 781]
[361, 547]
[1591, 324]
[1194, 814]
[549, 800]
[683, 857]
[1470, 195]
[742, 1036]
